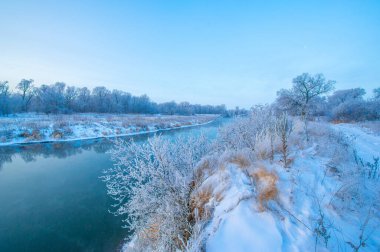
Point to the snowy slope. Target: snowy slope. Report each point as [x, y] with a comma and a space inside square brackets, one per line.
[325, 201]
[366, 143]
[234, 219]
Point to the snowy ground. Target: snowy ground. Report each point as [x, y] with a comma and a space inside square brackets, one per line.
[327, 200]
[30, 127]
[371, 127]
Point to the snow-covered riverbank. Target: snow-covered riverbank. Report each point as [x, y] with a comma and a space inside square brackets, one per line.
[35, 128]
[262, 185]
[327, 200]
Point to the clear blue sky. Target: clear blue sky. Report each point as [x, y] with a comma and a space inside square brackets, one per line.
[231, 52]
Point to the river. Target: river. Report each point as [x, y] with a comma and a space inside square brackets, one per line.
[52, 199]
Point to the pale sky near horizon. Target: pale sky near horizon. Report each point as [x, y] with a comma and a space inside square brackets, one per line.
[237, 53]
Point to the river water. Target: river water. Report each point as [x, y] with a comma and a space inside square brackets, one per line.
[52, 199]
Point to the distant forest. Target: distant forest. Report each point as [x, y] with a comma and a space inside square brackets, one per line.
[61, 98]
[307, 97]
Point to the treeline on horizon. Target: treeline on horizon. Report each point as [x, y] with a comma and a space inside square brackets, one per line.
[310, 95]
[61, 98]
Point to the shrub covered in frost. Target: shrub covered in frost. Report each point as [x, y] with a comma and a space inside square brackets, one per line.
[151, 184]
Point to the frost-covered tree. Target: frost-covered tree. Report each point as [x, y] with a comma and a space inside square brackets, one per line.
[117, 100]
[102, 99]
[59, 98]
[168, 108]
[51, 98]
[4, 97]
[376, 93]
[341, 96]
[27, 91]
[356, 110]
[83, 100]
[143, 104]
[350, 105]
[70, 95]
[185, 108]
[125, 103]
[306, 89]
[286, 101]
[151, 183]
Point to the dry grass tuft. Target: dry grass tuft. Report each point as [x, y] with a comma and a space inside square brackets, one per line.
[150, 236]
[219, 196]
[198, 203]
[35, 135]
[266, 186]
[24, 134]
[57, 135]
[222, 167]
[205, 168]
[152, 232]
[337, 121]
[240, 160]
[290, 160]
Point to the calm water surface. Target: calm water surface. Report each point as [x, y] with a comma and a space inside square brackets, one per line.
[51, 197]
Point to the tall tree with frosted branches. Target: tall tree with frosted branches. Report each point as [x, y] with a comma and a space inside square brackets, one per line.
[27, 92]
[4, 97]
[305, 90]
[376, 93]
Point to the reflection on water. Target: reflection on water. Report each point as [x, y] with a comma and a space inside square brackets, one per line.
[51, 197]
[29, 152]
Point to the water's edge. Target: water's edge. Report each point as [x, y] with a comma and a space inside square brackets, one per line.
[105, 137]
